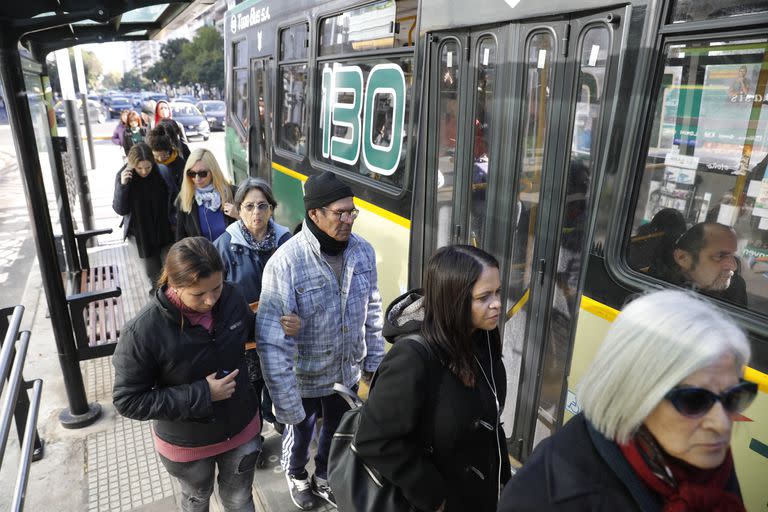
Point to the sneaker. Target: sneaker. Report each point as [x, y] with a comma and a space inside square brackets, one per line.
[301, 492]
[321, 489]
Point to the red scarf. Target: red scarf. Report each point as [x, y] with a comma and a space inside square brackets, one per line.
[683, 488]
[195, 318]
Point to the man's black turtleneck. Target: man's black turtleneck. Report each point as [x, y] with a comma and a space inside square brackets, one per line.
[328, 244]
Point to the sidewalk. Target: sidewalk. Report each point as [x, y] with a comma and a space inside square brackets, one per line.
[110, 465]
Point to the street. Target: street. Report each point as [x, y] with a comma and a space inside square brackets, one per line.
[17, 247]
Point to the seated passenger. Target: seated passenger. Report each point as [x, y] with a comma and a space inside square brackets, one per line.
[431, 423]
[704, 259]
[658, 405]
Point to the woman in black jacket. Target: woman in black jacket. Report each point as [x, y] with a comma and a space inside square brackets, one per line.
[161, 140]
[430, 425]
[144, 196]
[180, 362]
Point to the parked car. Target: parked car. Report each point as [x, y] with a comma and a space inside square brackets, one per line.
[186, 97]
[96, 112]
[117, 104]
[194, 122]
[214, 111]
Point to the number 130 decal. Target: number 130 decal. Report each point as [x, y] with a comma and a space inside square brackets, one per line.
[381, 145]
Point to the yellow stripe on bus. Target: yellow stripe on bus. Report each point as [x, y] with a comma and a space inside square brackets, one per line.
[609, 313]
[519, 304]
[365, 205]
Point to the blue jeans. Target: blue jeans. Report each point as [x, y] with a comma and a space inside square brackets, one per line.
[235, 478]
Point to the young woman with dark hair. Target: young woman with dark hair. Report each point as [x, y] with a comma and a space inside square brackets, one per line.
[180, 362]
[144, 196]
[431, 423]
[178, 136]
[135, 132]
[161, 140]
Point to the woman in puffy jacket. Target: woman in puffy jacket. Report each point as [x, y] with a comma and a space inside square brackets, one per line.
[180, 363]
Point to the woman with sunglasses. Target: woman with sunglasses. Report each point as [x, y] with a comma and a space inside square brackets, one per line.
[245, 247]
[658, 405]
[205, 200]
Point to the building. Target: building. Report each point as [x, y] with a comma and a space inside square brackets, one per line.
[143, 54]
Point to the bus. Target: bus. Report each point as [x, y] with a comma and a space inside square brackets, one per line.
[556, 135]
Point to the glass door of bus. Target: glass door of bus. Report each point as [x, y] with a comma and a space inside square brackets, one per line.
[565, 68]
[259, 133]
[464, 65]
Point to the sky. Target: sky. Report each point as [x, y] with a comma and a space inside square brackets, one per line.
[113, 56]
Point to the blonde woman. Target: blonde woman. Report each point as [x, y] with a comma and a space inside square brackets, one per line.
[206, 199]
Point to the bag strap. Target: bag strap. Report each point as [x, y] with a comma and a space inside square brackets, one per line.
[348, 395]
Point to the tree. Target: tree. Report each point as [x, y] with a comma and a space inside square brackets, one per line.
[171, 64]
[112, 80]
[132, 80]
[204, 59]
[93, 69]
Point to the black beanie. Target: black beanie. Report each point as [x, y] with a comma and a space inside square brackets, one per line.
[323, 189]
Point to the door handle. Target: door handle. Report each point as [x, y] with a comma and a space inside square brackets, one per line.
[542, 270]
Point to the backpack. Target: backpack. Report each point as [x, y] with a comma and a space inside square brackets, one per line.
[357, 486]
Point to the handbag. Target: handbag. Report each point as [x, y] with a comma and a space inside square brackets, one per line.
[357, 486]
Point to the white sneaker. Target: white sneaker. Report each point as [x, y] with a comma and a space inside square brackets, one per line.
[321, 489]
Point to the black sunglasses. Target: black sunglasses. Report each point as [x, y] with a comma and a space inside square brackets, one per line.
[693, 402]
[193, 174]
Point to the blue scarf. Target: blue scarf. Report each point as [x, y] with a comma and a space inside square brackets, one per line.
[269, 243]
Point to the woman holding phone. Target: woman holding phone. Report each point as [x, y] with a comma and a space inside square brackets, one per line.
[180, 362]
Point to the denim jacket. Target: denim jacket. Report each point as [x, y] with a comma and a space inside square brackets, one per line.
[340, 326]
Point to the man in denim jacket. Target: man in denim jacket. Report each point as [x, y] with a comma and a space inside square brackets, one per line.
[327, 276]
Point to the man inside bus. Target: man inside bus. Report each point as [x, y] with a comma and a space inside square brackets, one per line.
[327, 275]
[704, 259]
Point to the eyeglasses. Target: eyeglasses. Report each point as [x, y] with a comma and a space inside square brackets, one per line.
[197, 174]
[344, 215]
[262, 207]
[695, 402]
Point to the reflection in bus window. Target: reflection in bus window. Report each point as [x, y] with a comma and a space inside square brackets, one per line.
[447, 121]
[240, 97]
[538, 84]
[486, 81]
[706, 167]
[292, 109]
[595, 51]
[381, 126]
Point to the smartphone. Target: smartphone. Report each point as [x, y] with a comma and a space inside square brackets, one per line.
[220, 374]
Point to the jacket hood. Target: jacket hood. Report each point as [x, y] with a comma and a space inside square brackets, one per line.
[404, 315]
[237, 238]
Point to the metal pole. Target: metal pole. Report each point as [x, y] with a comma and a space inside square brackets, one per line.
[78, 163]
[80, 413]
[88, 133]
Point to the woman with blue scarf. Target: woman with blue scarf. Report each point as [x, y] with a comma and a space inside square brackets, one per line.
[245, 247]
[205, 200]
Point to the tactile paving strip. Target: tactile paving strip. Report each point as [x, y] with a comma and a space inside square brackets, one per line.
[123, 470]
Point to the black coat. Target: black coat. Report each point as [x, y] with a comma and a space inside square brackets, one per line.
[123, 199]
[416, 396]
[161, 364]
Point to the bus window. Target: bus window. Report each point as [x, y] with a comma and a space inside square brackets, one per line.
[292, 101]
[240, 83]
[447, 126]
[701, 220]
[381, 25]
[538, 85]
[486, 81]
[595, 51]
[696, 10]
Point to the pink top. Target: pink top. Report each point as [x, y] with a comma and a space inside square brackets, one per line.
[190, 453]
[195, 318]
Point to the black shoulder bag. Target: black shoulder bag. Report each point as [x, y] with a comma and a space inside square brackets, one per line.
[357, 486]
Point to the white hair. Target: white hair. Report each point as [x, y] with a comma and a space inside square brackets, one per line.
[655, 343]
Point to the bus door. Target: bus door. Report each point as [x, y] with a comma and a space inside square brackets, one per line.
[259, 133]
[463, 99]
[562, 68]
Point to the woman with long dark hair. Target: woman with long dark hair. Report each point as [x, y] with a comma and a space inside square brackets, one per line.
[180, 362]
[144, 196]
[431, 423]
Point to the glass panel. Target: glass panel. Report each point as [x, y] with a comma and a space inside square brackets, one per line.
[353, 127]
[144, 14]
[292, 109]
[696, 10]
[240, 54]
[485, 82]
[447, 114]
[595, 50]
[386, 24]
[538, 84]
[260, 133]
[240, 96]
[702, 212]
[293, 42]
